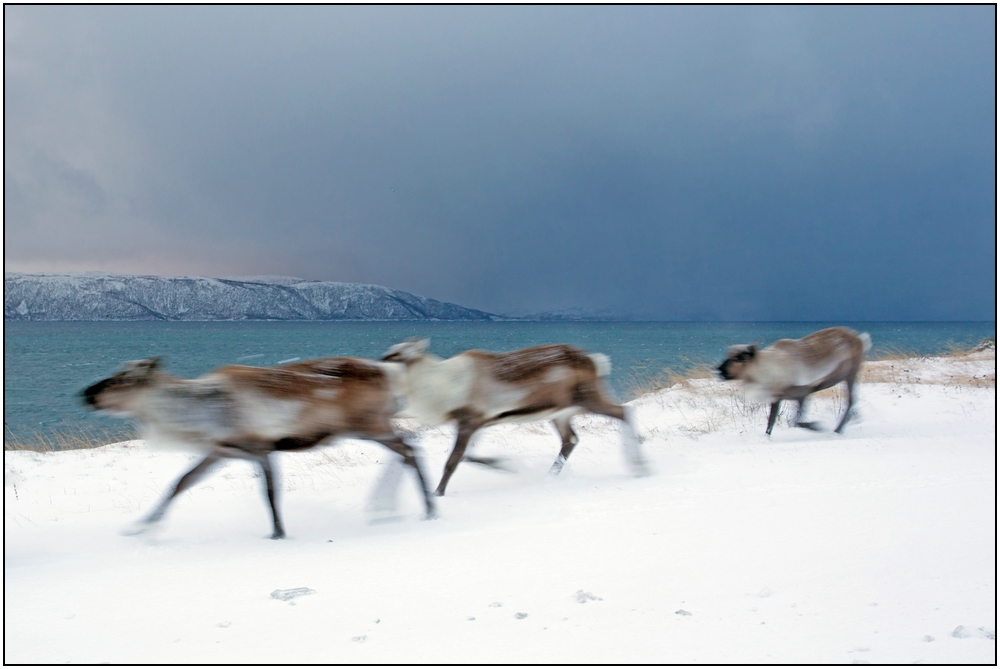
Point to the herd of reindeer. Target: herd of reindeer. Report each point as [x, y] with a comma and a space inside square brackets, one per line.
[252, 412]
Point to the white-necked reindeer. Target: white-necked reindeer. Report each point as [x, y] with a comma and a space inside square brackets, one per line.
[478, 388]
[251, 412]
[793, 369]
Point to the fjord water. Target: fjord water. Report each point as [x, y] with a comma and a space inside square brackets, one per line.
[47, 364]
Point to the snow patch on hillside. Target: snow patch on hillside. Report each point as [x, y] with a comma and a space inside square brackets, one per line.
[94, 296]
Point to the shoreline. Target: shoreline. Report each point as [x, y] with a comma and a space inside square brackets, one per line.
[893, 368]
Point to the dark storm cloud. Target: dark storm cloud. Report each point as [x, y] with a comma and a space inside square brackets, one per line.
[663, 162]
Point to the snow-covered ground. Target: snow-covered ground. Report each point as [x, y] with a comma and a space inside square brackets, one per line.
[878, 545]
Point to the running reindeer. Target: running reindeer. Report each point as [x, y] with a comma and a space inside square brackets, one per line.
[477, 389]
[793, 369]
[251, 412]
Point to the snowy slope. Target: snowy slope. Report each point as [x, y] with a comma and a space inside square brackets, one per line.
[873, 546]
[111, 297]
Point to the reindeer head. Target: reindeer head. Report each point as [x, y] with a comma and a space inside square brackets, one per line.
[735, 364]
[113, 393]
[407, 351]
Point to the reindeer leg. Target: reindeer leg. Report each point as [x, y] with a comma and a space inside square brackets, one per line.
[383, 496]
[595, 403]
[850, 403]
[492, 462]
[466, 428]
[264, 462]
[773, 416]
[569, 442]
[798, 417]
[630, 442]
[396, 444]
[183, 483]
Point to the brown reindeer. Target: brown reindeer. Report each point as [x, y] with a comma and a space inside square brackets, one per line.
[252, 412]
[793, 369]
[477, 389]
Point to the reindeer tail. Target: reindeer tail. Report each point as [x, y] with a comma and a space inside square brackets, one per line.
[602, 363]
[866, 341]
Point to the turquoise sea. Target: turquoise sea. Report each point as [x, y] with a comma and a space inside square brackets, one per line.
[47, 364]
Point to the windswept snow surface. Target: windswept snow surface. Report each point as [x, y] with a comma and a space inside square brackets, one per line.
[877, 546]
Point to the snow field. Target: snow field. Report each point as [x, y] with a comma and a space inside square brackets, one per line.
[803, 548]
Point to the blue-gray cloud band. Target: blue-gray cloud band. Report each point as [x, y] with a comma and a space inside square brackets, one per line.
[659, 162]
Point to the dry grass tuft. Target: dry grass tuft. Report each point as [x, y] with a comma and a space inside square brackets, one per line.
[899, 372]
[898, 367]
[988, 345]
[723, 407]
[949, 350]
[893, 353]
[81, 438]
[642, 380]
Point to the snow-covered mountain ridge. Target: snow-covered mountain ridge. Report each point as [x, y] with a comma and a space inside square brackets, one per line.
[94, 296]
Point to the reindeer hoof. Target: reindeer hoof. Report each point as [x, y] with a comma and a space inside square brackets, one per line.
[493, 463]
[278, 535]
[136, 528]
[809, 426]
[439, 493]
[641, 470]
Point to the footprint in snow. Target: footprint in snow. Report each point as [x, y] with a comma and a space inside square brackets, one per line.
[292, 593]
[495, 605]
[359, 639]
[520, 616]
[963, 632]
[682, 612]
[584, 597]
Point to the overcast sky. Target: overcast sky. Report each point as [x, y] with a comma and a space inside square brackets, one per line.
[719, 163]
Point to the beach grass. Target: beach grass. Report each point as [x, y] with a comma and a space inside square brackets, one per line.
[65, 440]
[643, 379]
[892, 367]
[726, 403]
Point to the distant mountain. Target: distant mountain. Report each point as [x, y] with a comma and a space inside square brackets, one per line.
[95, 296]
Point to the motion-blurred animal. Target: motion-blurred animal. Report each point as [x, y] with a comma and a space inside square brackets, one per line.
[252, 412]
[793, 369]
[477, 389]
